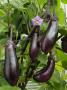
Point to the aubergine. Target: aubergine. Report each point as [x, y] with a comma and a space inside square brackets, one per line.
[64, 44]
[34, 47]
[45, 74]
[11, 65]
[48, 41]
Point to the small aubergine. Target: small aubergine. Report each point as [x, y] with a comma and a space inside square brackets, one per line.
[45, 74]
[11, 65]
[34, 47]
[48, 41]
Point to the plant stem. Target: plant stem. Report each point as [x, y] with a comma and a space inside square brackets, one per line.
[30, 69]
[59, 48]
[59, 37]
[29, 73]
[23, 85]
[9, 22]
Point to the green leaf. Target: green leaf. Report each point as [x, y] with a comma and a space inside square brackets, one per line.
[18, 3]
[62, 57]
[61, 16]
[59, 66]
[62, 30]
[60, 13]
[2, 13]
[41, 3]
[64, 64]
[1, 53]
[60, 85]
[9, 88]
[64, 1]
[32, 10]
[42, 58]
[56, 77]
[3, 81]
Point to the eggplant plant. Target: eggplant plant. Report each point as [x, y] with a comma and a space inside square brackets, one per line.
[42, 29]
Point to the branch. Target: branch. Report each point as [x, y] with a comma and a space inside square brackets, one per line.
[31, 67]
[29, 73]
[59, 37]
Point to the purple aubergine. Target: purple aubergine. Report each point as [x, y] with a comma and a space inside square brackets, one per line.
[45, 74]
[64, 44]
[50, 37]
[34, 46]
[11, 66]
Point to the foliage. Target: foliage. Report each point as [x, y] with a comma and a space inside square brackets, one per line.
[22, 11]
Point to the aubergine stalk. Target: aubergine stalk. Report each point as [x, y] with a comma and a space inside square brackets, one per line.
[48, 41]
[34, 45]
[45, 74]
[11, 66]
[48, 16]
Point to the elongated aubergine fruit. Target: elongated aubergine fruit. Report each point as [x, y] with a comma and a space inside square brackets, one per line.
[34, 47]
[45, 74]
[33, 51]
[11, 67]
[49, 39]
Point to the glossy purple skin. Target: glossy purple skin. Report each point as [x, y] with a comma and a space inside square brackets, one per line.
[45, 74]
[11, 69]
[49, 39]
[33, 47]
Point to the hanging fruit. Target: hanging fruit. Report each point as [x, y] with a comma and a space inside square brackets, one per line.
[34, 44]
[48, 41]
[45, 74]
[64, 44]
[11, 67]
